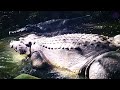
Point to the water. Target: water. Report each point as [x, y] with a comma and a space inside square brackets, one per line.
[10, 61]
[9, 66]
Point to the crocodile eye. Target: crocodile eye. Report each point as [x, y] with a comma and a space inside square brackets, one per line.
[27, 45]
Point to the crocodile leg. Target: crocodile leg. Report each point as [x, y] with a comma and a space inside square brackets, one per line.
[106, 66]
[37, 60]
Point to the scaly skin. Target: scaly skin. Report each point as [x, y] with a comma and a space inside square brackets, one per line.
[69, 51]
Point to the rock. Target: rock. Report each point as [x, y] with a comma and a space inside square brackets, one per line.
[25, 76]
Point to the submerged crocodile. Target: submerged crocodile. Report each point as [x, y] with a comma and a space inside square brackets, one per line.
[58, 26]
[92, 55]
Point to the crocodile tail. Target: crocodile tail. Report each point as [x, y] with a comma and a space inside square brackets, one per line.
[26, 29]
[51, 25]
[17, 31]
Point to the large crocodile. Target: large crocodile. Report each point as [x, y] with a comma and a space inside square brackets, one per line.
[91, 54]
[58, 26]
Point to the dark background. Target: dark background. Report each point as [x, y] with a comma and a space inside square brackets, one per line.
[13, 20]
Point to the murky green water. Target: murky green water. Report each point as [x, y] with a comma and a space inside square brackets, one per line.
[9, 60]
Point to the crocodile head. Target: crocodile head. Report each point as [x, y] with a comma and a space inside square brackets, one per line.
[23, 46]
[20, 47]
[26, 45]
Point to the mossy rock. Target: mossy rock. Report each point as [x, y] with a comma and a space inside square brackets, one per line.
[25, 76]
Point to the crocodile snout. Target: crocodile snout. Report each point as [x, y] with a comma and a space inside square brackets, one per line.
[11, 44]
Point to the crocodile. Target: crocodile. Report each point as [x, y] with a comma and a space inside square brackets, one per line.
[91, 55]
[54, 27]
